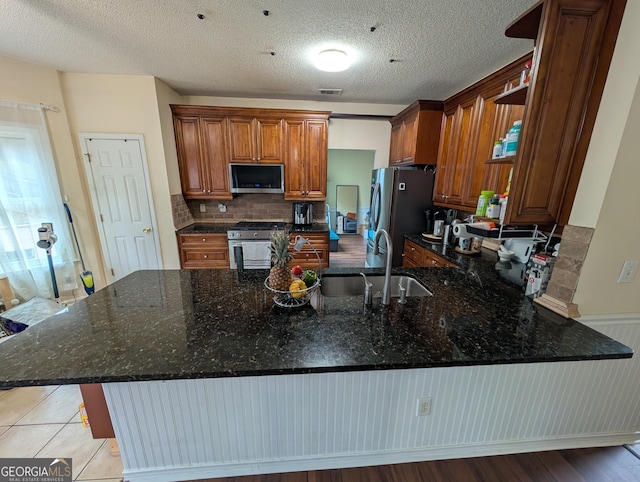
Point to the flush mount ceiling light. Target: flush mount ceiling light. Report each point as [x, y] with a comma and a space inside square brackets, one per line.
[332, 60]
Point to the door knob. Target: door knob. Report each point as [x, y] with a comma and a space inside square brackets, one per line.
[146, 230]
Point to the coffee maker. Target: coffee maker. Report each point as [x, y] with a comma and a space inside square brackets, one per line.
[302, 214]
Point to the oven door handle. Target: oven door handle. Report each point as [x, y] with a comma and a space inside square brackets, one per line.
[237, 254]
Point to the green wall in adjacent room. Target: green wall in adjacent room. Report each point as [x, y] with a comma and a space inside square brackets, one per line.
[350, 167]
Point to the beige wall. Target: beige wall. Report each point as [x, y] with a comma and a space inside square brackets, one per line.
[165, 97]
[126, 104]
[30, 83]
[617, 234]
[608, 194]
[373, 135]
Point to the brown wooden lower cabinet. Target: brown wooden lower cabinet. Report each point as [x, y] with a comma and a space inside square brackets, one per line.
[306, 257]
[204, 251]
[96, 406]
[415, 256]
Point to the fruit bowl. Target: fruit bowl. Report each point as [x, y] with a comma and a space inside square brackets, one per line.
[292, 299]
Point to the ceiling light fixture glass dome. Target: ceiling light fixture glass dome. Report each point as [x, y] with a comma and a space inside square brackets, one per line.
[332, 60]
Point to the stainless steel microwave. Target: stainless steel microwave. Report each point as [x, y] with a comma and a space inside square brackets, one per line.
[256, 178]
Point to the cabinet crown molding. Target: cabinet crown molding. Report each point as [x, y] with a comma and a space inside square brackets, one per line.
[184, 109]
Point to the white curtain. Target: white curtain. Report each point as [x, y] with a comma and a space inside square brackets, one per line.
[29, 196]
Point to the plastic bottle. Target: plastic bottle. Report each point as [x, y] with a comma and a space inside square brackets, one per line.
[483, 201]
[493, 211]
[497, 150]
[512, 139]
[503, 208]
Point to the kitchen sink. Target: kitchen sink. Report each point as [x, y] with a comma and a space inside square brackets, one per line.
[353, 285]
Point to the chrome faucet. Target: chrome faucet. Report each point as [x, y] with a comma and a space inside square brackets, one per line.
[386, 289]
[368, 288]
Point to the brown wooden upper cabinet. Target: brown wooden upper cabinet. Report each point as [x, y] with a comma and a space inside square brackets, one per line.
[255, 140]
[574, 42]
[471, 124]
[305, 167]
[415, 133]
[209, 138]
[202, 155]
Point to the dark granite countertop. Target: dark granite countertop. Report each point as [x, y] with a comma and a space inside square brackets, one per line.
[157, 325]
[199, 228]
[487, 267]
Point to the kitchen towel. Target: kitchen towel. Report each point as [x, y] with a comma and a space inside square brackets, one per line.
[460, 231]
[256, 251]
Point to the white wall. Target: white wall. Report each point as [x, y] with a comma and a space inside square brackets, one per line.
[360, 134]
[127, 104]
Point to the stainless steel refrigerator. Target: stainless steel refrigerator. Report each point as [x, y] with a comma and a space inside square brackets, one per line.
[399, 197]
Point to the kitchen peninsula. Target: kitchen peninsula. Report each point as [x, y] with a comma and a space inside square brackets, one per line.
[205, 377]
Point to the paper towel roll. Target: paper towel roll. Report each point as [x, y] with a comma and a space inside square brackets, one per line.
[460, 231]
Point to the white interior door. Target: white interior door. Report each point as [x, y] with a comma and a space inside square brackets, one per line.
[123, 203]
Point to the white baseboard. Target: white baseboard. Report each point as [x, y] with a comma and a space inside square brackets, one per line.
[169, 474]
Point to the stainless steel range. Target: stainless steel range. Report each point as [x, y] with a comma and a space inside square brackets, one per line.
[250, 241]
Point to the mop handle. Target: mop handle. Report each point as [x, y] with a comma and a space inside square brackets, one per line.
[73, 229]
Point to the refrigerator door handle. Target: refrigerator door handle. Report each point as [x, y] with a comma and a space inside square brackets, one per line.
[375, 207]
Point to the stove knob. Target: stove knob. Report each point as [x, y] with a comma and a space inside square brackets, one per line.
[255, 235]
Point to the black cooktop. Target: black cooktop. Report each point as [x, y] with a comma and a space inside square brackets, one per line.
[256, 225]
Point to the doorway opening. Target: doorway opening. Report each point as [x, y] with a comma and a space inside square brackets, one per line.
[348, 200]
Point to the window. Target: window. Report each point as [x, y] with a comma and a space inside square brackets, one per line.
[30, 196]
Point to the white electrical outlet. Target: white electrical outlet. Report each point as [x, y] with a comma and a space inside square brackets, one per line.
[203, 208]
[628, 272]
[423, 408]
[222, 208]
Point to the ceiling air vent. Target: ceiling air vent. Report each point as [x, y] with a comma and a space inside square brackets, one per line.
[330, 91]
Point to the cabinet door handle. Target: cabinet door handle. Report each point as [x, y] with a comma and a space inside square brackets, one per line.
[433, 261]
[413, 249]
[204, 240]
[258, 159]
[205, 256]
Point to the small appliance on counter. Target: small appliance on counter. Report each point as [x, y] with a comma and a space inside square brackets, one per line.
[302, 214]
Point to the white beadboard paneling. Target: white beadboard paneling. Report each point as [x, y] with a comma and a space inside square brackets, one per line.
[232, 426]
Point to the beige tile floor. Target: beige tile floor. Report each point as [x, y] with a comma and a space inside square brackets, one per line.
[44, 422]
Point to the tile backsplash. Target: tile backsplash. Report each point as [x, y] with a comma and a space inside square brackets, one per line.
[247, 207]
[566, 272]
[180, 210]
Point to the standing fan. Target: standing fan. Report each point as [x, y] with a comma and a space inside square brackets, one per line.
[86, 276]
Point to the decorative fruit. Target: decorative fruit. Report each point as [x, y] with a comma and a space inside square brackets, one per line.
[310, 277]
[279, 276]
[297, 288]
[297, 271]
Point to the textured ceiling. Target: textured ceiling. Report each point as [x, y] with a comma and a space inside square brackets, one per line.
[439, 46]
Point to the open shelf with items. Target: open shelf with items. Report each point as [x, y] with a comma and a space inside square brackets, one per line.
[501, 160]
[515, 96]
[503, 232]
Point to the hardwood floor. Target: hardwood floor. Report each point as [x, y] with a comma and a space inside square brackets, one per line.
[352, 249]
[607, 464]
